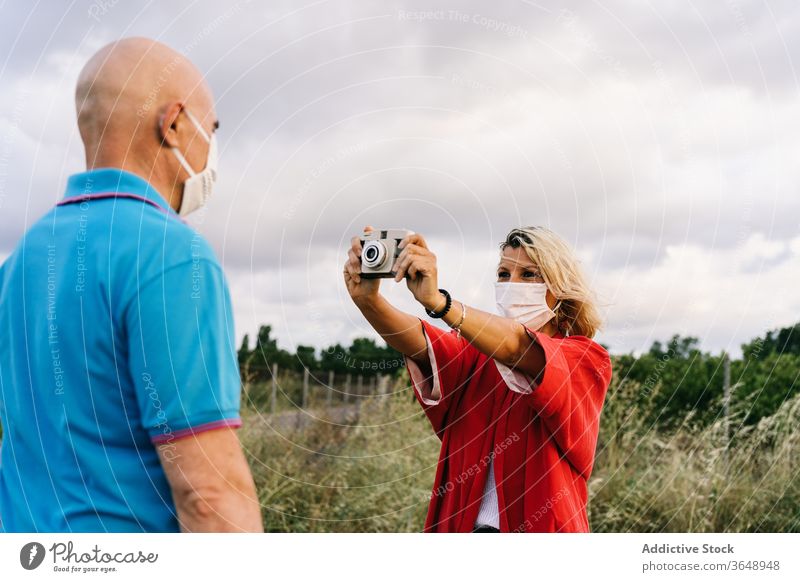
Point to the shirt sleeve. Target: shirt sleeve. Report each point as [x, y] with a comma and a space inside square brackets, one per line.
[181, 355]
[450, 357]
[570, 393]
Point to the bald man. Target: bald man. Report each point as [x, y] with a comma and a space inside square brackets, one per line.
[119, 384]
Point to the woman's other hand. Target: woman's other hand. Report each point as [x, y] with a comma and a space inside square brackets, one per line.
[359, 289]
[418, 265]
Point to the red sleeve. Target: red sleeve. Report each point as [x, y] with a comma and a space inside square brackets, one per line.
[570, 394]
[450, 358]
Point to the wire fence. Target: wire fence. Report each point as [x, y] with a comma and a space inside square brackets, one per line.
[291, 390]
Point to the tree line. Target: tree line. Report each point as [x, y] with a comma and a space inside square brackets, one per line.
[363, 357]
[676, 377]
[673, 377]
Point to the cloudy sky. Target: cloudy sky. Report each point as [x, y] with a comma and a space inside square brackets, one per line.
[661, 139]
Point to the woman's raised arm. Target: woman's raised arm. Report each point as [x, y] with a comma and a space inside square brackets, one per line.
[400, 330]
[498, 337]
[501, 338]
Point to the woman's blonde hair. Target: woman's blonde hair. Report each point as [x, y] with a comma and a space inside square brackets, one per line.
[578, 313]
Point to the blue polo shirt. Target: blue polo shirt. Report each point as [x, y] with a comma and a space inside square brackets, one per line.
[116, 336]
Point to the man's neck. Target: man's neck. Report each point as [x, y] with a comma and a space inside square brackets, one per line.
[150, 174]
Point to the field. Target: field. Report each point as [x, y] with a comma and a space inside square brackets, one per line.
[368, 466]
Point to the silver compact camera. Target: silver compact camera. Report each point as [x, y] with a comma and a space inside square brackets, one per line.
[379, 252]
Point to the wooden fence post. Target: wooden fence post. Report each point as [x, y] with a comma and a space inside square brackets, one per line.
[274, 396]
[726, 398]
[383, 387]
[346, 394]
[304, 404]
[329, 395]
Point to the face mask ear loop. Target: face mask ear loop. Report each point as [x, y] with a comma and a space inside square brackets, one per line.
[183, 162]
[197, 125]
[202, 132]
[555, 308]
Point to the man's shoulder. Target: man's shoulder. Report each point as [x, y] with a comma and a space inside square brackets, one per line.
[39, 235]
[170, 242]
[185, 242]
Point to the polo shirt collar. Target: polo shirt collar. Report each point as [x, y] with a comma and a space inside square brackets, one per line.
[113, 180]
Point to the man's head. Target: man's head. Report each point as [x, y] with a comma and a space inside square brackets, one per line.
[139, 105]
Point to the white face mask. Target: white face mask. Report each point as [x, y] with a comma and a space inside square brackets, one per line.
[525, 302]
[197, 189]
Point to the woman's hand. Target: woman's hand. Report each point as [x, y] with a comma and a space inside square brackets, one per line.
[400, 330]
[358, 288]
[418, 265]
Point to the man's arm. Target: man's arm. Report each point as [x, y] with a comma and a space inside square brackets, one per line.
[182, 360]
[211, 483]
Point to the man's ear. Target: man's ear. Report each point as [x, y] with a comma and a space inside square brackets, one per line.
[168, 124]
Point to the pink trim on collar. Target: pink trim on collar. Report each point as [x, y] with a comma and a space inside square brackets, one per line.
[107, 195]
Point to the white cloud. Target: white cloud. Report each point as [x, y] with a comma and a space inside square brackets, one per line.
[713, 294]
[661, 146]
[722, 296]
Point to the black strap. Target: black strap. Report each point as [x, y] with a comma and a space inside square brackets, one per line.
[448, 301]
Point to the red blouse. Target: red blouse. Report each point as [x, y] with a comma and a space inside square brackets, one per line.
[541, 438]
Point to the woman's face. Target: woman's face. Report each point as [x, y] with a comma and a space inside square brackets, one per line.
[516, 267]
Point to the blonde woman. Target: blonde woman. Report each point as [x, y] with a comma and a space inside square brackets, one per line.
[515, 398]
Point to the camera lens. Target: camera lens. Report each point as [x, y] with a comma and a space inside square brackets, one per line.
[373, 254]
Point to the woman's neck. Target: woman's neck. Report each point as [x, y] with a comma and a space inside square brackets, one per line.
[549, 328]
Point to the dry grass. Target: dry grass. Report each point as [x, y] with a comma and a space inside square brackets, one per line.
[369, 474]
[690, 481]
[374, 473]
